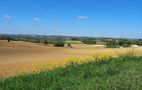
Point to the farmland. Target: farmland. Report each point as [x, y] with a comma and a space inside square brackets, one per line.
[110, 73]
[70, 45]
[19, 57]
[31, 65]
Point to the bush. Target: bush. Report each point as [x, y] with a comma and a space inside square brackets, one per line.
[8, 38]
[75, 39]
[137, 42]
[34, 40]
[45, 42]
[59, 44]
[89, 41]
[112, 44]
[124, 42]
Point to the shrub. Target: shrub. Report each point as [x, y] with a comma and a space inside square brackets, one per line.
[45, 42]
[34, 40]
[112, 44]
[75, 39]
[137, 42]
[59, 44]
[89, 41]
[8, 38]
[124, 42]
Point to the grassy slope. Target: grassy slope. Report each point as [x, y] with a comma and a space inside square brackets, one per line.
[123, 73]
[73, 42]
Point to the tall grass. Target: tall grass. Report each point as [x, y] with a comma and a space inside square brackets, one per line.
[121, 73]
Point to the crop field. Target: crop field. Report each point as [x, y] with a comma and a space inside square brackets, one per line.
[24, 57]
[73, 42]
[121, 73]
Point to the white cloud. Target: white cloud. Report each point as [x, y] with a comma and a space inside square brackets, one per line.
[8, 19]
[36, 20]
[82, 17]
[7, 16]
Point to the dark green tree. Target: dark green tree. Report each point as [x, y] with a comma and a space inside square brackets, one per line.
[45, 42]
[112, 44]
[59, 44]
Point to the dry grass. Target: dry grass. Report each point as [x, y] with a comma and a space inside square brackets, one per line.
[20, 57]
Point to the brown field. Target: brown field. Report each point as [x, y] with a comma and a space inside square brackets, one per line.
[18, 57]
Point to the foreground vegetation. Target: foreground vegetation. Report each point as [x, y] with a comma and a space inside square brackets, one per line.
[122, 73]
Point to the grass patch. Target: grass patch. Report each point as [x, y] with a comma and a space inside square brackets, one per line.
[122, 73]
[73, 42]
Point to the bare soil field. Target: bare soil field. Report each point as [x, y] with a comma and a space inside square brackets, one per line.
[16, 57]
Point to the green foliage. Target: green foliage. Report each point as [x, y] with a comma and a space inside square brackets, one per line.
[75, 39]
[59, 43]
[137, 42]
[89, 41]
[122, 73]
[34, 40]
[124, 42]
[45, 42]
[112, 44]
[8, 38]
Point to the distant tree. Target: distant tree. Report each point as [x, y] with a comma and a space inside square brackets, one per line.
[45, 42]
[137, 42]
[75, 39]
[121, 42]
[124, 42]
[9, 39]
[59, 44]
[89, 41]
[112, 44]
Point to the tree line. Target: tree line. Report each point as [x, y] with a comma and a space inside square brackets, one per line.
[59, 42]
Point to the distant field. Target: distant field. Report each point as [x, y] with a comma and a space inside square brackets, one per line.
[73, 42]
[18, 57]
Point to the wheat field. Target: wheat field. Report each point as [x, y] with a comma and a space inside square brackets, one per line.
[24, 57]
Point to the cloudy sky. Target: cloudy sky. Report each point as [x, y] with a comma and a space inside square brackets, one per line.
[97, 18]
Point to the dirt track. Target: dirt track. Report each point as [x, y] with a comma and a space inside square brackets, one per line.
[18, 56]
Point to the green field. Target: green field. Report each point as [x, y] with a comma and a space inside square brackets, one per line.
[73, 42]
[122, 73]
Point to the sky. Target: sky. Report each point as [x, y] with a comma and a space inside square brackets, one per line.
[95, 18]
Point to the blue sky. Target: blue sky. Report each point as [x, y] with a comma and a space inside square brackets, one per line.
[97, 18]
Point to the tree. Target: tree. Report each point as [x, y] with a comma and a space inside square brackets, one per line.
[45, 42]
[124, 42]
[10, 39]
[112, 44]
[75, 39]
[89, 41]
[137, 42]
[59, 44]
